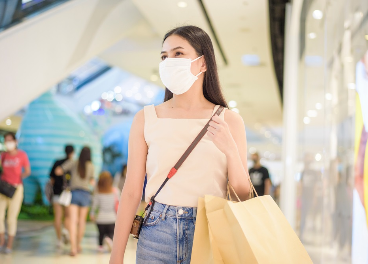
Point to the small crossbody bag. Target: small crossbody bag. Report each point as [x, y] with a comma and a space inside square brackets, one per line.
[139, 220]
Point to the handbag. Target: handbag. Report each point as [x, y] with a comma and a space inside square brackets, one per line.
[139, 220]
[6, 188]
[65, 197]
[254, 231]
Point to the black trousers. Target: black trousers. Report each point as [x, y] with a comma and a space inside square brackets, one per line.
[105, 230]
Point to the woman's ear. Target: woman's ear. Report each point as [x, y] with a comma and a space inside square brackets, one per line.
[204, 65]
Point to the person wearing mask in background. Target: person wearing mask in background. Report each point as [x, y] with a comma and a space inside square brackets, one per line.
[82, 180]
[15, 165]
[59, 184]
[105, 201]
[260, 176]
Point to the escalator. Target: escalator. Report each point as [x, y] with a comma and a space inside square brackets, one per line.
[43, 48]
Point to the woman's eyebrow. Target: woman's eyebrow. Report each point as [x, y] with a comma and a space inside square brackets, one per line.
[173, 49]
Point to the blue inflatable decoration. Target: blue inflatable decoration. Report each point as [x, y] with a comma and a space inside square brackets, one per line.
[45, 130]
[115, 142]
[115, 147]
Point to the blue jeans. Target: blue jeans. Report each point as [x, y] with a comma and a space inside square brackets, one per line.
[82, 198]
[167, 236]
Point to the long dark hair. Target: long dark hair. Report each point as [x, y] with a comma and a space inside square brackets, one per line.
[84, 156]
[202, 44]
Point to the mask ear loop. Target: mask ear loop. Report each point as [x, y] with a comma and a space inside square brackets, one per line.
[195, 60]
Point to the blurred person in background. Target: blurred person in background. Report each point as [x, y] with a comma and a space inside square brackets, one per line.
[59, 184]
[15, 167]
[311, 191]
[105, 202]
[259, 176]
[119, 178]
[82, 181]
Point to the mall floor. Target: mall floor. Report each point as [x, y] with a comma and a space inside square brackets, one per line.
[35, 244]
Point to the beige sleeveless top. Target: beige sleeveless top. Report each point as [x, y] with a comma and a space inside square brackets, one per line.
[203, 172]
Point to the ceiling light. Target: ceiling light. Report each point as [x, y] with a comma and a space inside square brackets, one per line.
[251, 60]
[154, 77]
[328, 96]
[104, 95]
[351, 86]
[252, 150]
[236, 110]
[267, 134]
[118, 97]
[87, 109]
[312, 35]
[366, 37]
[306, 120]
[182, 4]
[232, 104]
[117, 89]
[312, 113]
[8, 122]
[95, 105]
[318, 106]
[317, 14]
[318, 157]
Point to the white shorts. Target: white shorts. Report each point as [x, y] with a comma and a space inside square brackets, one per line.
[55, 199]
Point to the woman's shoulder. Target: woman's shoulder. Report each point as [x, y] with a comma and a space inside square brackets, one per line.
[233, 119]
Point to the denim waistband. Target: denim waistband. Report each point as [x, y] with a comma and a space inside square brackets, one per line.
[175, 211]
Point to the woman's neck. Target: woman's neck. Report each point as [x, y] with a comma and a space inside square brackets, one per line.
[13, 152]
[192, 99]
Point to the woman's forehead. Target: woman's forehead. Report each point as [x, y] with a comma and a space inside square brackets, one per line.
[175, 41]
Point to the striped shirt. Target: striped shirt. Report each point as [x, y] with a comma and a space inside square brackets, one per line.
[104, 204]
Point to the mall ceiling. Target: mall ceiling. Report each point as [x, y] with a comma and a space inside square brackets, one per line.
[240, 31]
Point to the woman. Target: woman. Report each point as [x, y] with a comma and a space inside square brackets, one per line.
[59, 184]
[82, 179]
[104, 201]
[16, 167]
[160, 135]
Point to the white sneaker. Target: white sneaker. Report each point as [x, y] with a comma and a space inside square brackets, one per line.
[108, 242]
[59, 244]
[65, 236]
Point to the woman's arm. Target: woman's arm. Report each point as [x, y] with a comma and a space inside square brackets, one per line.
[230, 137]
[27, 172]
[66, 166]
[132, 191]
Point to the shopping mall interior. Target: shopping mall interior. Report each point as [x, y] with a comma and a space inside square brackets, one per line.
[77, 72]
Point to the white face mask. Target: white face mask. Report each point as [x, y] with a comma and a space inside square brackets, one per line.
[175, 74]
[10, 145]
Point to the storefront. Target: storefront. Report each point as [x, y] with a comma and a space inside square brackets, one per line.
[332, 131]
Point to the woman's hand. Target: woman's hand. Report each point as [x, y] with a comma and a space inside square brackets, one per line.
[219, 132]
[59, 171]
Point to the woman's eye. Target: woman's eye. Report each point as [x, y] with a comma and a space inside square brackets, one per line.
[178, 53]
[163, 57]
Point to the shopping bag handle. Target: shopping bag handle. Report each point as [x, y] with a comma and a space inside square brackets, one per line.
[251, 192]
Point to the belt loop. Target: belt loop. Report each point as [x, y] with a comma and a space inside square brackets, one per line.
[194, 211]
[164, 212]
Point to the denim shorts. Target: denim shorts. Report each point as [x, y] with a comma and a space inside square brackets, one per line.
[81, 198]
[167, 236]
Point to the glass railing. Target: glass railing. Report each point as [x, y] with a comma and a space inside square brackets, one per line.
[13, 12]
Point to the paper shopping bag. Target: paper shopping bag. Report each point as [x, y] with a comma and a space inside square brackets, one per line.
[256, 232]
[204, 250]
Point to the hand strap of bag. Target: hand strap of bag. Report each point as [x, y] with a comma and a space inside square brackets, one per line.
[181, 160]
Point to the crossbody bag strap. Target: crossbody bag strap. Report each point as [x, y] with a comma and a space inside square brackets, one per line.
[184, 157]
